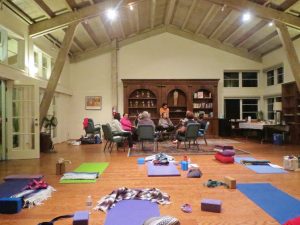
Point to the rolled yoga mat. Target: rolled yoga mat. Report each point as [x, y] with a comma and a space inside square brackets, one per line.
[273, 201]
[86, 168]
[162, 171]
[131, 212]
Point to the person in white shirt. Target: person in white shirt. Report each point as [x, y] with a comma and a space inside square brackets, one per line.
[116, 128]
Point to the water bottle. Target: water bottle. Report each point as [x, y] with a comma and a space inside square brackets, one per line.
[89, 203]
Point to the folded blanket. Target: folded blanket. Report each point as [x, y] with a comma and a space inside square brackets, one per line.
[79, 176]
[37, 198]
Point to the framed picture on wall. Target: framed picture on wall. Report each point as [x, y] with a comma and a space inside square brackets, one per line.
[93, 102]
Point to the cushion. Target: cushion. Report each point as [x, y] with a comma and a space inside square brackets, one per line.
[295, 221]
[162, 220]
[194, 173]
[224, 159]
[227, 152]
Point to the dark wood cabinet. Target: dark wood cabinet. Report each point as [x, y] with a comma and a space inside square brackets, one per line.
[196, 95]
[291, 110]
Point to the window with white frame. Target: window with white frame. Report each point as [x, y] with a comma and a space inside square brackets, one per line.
[240, 79]
[241, 108]
[275, 76]
[270, 104]
[42, 63]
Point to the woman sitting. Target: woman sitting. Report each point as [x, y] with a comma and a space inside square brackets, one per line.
[145, 119]
[181, 131]
[164, 123]
[116, 128]
[126, 123]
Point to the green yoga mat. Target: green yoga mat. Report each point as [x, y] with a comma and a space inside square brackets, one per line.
[87, 168]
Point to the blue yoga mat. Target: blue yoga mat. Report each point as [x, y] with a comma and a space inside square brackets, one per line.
[278, 204]
[162, 171]
[262, 169]
[131, 212]
[12, 187]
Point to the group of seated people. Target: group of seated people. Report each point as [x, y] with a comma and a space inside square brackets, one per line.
[124, 127]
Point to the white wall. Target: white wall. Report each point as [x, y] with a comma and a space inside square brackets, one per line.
[165, 56]
[90, 78]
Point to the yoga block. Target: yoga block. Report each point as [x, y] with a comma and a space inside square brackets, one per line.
[10, 205]
[230, 182]
[211, 205]
[81, 218]
[141, 161]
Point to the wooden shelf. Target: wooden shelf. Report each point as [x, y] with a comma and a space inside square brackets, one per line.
[141, 98]
[180, 106]
[202, 108]
[142, 107]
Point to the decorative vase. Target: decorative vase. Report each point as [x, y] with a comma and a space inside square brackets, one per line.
[175, 95]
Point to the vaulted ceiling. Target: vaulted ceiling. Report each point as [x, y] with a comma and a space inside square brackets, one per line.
[217, 23]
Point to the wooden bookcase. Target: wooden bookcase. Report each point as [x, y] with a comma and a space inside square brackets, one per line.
[291, 110]
[148, 95]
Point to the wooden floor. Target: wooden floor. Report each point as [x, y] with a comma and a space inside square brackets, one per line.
[124, 172]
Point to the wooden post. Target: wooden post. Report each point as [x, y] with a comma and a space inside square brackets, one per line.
[290, 51]
[114, 75]
[55, 74]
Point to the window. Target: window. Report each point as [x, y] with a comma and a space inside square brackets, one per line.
[249, 79]
[42, 63]
[231, 79]
[280, 74]
[240, 79]
[240, 108]
[275, 76]
[270, 77]
[249, 108]
[270, 103]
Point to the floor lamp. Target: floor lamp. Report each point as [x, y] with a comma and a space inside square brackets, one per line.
[277, 107]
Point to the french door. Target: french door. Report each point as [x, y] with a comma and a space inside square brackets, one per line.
[23, 122]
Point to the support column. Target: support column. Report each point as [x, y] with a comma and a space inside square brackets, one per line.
[114, 75]
[56, 72]
[290, 51]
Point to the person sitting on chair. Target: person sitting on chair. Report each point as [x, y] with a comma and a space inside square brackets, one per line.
[145, 119]
[126, 123]
[164, 109]
[201, 120]
[164, 123]
[116, 128]
[181, 130]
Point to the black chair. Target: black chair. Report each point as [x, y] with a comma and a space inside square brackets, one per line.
[147, 133]
[202, 132]
[191, 134]
[110, 138]
[92, 128]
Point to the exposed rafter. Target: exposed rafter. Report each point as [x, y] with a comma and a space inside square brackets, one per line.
[91, 33]
[261, 11]
[44, 7]
[104, 29]
[249, 33]
[44, 27]
[262, 42]
[220, 26]
[287, 4]
[170, 11]
[152, 13]
[137, 19]
[77, 44]
[234, 28]
[211, 13]
[290, 51]
[188, 15]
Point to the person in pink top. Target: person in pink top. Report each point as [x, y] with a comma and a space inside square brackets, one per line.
[126, 123]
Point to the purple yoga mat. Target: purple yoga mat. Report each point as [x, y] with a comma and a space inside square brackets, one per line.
[131, 212]
[162, 171]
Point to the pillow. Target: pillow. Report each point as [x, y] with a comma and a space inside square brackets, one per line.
[224, 159]
[162, 220]
[194, 173]
[227, 152]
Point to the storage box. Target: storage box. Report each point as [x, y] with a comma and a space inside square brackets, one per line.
[291, 163]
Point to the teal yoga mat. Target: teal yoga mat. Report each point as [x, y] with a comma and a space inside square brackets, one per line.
[87, 168]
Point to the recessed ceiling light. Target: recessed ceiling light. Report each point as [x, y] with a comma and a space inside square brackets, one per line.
[246, 17]
[111, 14]
[270, 24]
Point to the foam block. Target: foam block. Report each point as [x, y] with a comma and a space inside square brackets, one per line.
[10, 205]
[81, 218]
[211, 205]
[230, 182]
[224, 159]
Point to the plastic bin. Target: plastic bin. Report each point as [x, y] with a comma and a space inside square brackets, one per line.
[277, 139]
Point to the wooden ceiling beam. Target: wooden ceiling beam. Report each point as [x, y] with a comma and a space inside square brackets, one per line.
[215, 44]
[72, 4]
[220, 26]
[290, 51]
[237, 28]
[211, 13]
[170, 11]
[44, 27]
[287, 4]
[262, 42]
[136, 19]
[102, 26]
[152, 13]
[261, 11]
[122, 29]
[45, 8]
[188, 15]
[249, 33]
[91, 34]
[77, 44]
